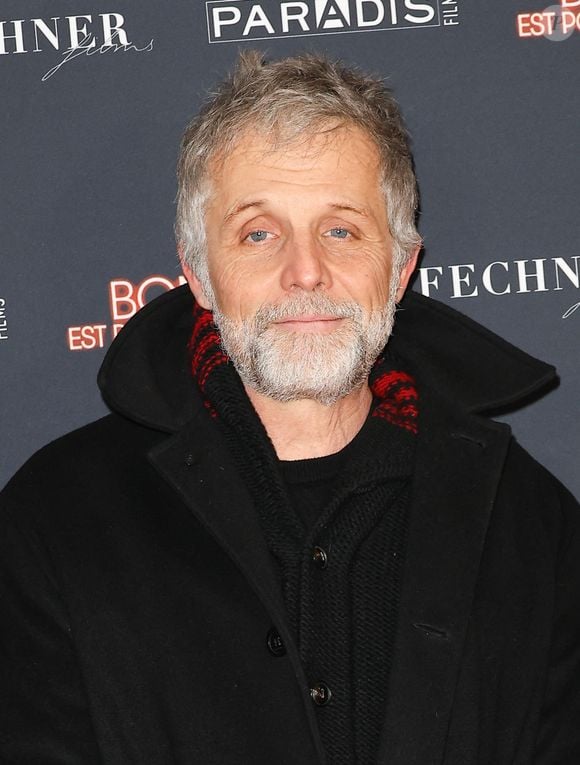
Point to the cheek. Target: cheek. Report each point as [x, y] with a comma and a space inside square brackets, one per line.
[227, 278]
[369, 284]
[240, 289]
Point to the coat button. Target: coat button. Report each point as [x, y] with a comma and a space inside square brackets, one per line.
[320, 694]
[274, 643]
[319, 557]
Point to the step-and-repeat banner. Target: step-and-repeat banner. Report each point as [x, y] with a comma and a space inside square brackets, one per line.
[95, 95]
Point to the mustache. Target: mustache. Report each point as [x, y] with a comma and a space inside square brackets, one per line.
[303, 305]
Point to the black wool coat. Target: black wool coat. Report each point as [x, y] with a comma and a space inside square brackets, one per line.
[137, 592]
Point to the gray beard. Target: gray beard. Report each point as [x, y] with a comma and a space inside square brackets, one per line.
[288, 366]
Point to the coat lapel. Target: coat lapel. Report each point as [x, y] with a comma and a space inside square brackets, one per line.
[459, 463]
[197, 464]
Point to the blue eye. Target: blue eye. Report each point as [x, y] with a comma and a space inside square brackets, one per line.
[339, 233]
[258, 236]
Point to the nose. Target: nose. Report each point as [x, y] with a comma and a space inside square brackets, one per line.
[305, 266]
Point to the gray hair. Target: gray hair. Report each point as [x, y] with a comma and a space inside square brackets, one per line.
[290, 99]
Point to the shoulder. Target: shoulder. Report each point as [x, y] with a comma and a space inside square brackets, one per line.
[92, 446]
[537, 500]
[525, 473]
[79, 469]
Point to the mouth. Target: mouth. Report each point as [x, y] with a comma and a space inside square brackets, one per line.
[309, 323]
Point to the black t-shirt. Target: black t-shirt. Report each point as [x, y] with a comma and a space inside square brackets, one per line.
[311, 483]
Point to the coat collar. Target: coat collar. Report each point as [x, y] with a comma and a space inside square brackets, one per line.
[145, 375]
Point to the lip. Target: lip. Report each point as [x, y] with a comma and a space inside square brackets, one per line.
[310, 323]
[307, 319]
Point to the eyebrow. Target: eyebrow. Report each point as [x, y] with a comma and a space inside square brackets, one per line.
[239, 208]
[351, 208]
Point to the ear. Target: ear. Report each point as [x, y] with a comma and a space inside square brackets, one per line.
[195, 285]
[406, 273]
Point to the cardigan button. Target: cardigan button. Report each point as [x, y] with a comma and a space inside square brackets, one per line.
[320, 694]
[274, 643]
[319, 557]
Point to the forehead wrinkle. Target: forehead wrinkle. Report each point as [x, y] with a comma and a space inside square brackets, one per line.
[278, 172]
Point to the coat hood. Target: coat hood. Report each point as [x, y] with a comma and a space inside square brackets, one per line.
[146, 377]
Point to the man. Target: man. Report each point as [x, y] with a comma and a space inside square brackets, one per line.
[293, 542]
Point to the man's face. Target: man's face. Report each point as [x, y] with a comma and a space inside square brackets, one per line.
[300, 263]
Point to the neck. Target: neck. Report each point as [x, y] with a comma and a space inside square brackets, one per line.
[305, 428]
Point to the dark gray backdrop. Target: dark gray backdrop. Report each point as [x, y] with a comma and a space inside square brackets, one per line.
[87, 184]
